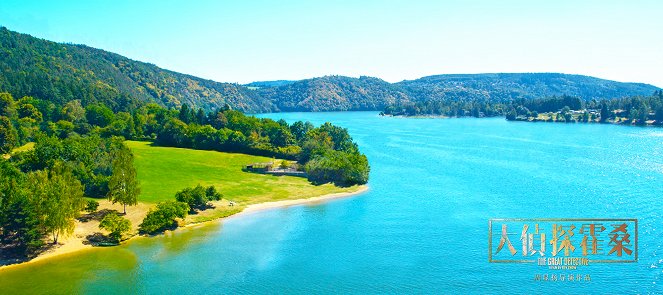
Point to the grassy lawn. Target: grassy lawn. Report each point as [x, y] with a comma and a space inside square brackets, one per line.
[162, 171]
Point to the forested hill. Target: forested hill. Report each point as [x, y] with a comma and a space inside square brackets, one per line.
[64, 72]
[61, 73]
[338, 93]
[334, 93]
[504, 87]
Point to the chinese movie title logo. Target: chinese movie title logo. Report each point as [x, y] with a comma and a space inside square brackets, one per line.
[584, 240]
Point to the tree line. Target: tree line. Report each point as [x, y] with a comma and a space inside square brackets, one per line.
[636, 110]
[223, 130]
[327, 152]
[479, 108]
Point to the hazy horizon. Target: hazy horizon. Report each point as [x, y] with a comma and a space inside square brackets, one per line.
[492, 73]
[393, 40]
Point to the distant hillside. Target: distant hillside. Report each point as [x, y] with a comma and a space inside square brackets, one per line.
[338, 93]
[504, 87]
[276, 83]
[334, 93]
[63, 72]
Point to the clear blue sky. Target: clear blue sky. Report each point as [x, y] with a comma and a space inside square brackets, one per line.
[251, 40]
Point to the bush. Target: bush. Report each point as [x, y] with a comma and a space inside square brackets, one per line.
[163, 217]
[116, 225]
[198, 196]
[341, 168]
[213, 194]
[91, 206]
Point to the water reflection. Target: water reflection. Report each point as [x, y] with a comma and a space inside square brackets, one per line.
[68, 273]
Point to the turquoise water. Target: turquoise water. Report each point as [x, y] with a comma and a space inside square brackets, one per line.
[423, 225]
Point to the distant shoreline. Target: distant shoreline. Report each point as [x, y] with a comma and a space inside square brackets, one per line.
[620, 123]
[75, 244]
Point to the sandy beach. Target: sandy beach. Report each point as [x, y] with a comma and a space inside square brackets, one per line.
[135, 214]
[285, 203]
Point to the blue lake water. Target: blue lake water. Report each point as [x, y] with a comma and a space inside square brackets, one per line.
[423, 225]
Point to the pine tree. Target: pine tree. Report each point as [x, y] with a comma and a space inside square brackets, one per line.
[605, 113]
[201, 118]
[185, 114]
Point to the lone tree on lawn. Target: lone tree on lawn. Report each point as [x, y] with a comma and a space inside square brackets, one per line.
[123, 185]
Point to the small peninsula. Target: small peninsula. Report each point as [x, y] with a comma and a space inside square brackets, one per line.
[75, 176]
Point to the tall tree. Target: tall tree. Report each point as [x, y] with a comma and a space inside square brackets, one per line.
[201, 118]
[8, 135]
[60, 195]
[7, 105]
[19, 220]
[123, 186]
[605, 113]
[73, 111]
[185, 114]
[99, 114]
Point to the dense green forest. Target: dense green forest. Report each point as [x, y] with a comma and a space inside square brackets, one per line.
[42, 190]
[79, 152]
[60, 73]
[635, 110]
[30, 119]
[334, 93]
[458, 92]
[507, 87]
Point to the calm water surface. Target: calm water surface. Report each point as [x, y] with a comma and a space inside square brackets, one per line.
[422, 227]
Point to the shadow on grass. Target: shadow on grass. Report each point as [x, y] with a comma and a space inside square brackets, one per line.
[97, 215]
[196, 210]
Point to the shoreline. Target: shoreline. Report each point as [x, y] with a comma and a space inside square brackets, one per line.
[253, 208]
[619, 123]
[75, 244]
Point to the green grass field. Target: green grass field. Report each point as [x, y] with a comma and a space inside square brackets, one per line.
[163, 171]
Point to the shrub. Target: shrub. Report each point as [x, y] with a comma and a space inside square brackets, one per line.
[116, 225]
[198, 196]
[213, 194]
[163, 216]
[341, 168]
[91, 206]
